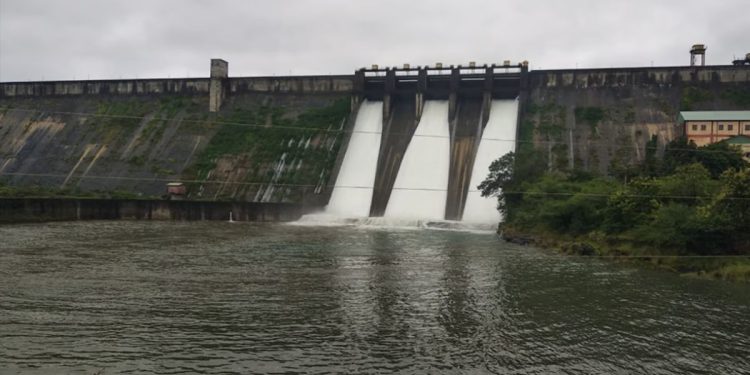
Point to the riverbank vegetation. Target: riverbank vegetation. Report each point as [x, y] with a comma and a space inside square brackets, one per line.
[688, 211]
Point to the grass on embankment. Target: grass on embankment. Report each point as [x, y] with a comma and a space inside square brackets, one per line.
[731, 268]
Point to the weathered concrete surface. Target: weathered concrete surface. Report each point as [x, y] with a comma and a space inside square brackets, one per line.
[16, 210]
[182, 86]
[105, 87]
[600, 119]
[138, 143]
[621, 77]
[300, 84]
[217, 90]
[398, 128]
[136, 135]
[466, 132]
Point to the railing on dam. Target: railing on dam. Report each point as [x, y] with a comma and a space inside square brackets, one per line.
[502, 82]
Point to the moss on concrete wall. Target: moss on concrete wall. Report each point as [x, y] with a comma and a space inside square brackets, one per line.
[138, 143]
[269, 153]
[604, 118]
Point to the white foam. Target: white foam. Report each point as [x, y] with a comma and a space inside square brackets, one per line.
[352, 194]
[380, 223]
[420, 191]
[497, 140]
[421, 187]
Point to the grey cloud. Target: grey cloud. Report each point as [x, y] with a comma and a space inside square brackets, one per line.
[148, 38]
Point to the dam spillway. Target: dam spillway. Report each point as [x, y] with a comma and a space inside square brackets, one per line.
[352, 192]
[399, 124]
[422, 141]
[157, 131]
[498, 138]
[420, 189]
[467, 124]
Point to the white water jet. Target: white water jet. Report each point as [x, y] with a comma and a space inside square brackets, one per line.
[421, 187]
[277, 172]
[498, 138]
[352, 194]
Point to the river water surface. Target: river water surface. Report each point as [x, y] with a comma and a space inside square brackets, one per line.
[164, 297]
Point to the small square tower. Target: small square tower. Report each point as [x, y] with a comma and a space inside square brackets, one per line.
[698, 51]
[218, 85]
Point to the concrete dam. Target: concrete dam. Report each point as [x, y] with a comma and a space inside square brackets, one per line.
[396, 142]
[414, 146]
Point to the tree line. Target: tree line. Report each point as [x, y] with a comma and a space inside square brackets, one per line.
[693, 200]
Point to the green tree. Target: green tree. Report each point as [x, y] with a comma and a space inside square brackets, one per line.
[720, 157]
[575, 207]
[678, 152]
[673, 228]
[630, 206]
[507, 177]
[499, 179]
[731, 207]
[689, 184]
[716, 157]
[501, 174]
[681, 229]
[652, 165]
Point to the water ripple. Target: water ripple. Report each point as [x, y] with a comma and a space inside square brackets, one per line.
[177, 298]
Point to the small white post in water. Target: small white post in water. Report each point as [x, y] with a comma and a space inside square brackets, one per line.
[231, 220]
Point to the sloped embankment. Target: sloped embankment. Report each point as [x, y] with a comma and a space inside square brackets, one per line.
[134, 145]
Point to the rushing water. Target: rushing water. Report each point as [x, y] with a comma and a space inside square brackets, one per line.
[163, 297]
[352, 193]
[421, 187]
[498, 138]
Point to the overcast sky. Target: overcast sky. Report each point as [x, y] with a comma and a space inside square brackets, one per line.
[99, 39]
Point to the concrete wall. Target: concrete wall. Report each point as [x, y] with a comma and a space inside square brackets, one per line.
[106, 87]
[599, 119]
[15, 210]
[217, 86]
[137, 143]
[623, 77]
[67, 134]
[183, 86]
[301, 84]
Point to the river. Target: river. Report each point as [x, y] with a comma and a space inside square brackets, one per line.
[207, 297]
